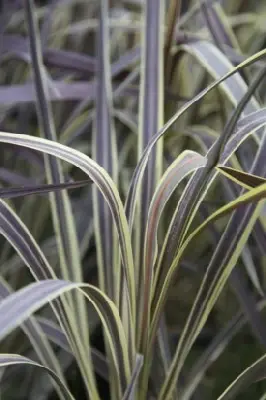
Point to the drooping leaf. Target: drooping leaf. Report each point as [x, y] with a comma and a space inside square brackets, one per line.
[38, 340]
[103, 182]
[18, 306]
[7, 360]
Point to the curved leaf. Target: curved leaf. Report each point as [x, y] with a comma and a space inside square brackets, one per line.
[7, 360]
[105, 184]
[255, 372]
[186, 163]
[38, 340]
[17, 307]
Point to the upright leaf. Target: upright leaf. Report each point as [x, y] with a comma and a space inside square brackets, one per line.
[150, 120]
[105, 154]
[63, 220]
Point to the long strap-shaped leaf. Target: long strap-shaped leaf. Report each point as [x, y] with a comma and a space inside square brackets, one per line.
[7, 360]
[105, 154]
[244, 179]
[62, 215]
[17, 307]
[9, 193]
[13, 229]
[186, 163]
[150, 120]
[105, 185]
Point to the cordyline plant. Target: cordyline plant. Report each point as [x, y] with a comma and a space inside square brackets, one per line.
[145, 224]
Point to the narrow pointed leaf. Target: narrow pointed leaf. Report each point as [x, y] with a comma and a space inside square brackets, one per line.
[105, 154]
[62, 215]
[12, 192]
[244, 179]
[150, 120]
[255, 372]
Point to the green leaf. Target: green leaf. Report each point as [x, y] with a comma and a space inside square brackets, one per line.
[255, 372]
[242, 178]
